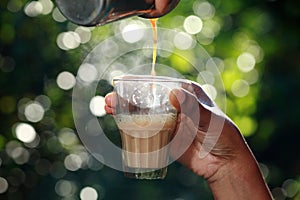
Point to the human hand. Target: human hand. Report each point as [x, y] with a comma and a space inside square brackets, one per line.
[212, 134]
[216, 138]
[218, 151]
[161, 7]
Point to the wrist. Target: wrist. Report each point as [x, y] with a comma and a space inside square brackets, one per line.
[239, 178]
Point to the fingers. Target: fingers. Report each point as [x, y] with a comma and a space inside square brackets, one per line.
[196, 89]
[176, 98]
[108, 110]
[110, 103]
[188, 102]
[162, 7]
[179, 99]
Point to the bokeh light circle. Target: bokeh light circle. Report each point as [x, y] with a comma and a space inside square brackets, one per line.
[246, 62]
[88, 193]
[65, 80]
[183, 41]
[73, 162]
[240, 88]
[133, 32]
[97, 106]
[65, 188]
[193, 24]
[87, 72]
[3, 185]
[25, 132]
[34, 112]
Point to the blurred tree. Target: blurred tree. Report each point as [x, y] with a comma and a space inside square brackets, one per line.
[255, 46]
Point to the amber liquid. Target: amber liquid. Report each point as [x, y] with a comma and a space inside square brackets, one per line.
[154, 30]
[143, 139]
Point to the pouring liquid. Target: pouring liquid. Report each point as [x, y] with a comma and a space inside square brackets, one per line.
[154, 30]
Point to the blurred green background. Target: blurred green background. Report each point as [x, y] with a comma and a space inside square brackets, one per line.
[255, 44]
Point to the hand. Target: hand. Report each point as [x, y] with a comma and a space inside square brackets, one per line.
[197, 114]
[218, 151]
[161, 7]
[215, 135]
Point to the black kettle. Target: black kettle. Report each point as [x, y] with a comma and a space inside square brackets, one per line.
[100, 12]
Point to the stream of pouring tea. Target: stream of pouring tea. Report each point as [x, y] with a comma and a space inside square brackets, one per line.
[154, 30]
[153, 73]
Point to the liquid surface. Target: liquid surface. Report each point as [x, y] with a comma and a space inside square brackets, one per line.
[145, 126]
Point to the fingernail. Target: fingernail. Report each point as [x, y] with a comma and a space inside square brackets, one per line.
[190, 88]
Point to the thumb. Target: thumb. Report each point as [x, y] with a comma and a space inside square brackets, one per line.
[176, 98]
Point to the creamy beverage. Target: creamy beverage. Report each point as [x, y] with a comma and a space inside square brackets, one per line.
[145, 139]
[146, 120]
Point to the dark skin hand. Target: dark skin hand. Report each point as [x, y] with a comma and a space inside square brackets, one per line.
[222, 157]
[161, 7]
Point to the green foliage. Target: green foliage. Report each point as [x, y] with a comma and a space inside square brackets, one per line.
[261, 97]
